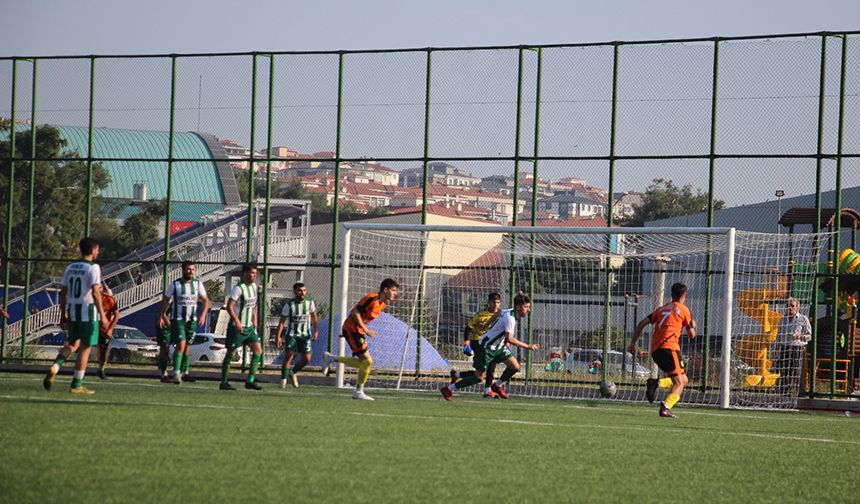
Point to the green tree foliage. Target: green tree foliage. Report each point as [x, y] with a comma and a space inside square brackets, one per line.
[139, 229]
[259, 185]
[59, 207]
[215, 292]
[664, 199]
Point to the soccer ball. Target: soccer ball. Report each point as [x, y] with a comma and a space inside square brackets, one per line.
[607, 389]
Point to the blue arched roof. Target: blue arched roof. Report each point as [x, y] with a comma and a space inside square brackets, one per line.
[192, 181]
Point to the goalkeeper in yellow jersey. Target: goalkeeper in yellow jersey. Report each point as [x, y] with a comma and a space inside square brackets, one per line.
[475, 328]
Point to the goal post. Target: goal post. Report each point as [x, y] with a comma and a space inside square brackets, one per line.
[447, 271]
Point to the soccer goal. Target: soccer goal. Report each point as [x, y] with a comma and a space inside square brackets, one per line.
[588, 287]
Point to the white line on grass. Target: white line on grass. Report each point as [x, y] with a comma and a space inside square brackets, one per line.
[607, 427]
[543, 403]
[509, 421]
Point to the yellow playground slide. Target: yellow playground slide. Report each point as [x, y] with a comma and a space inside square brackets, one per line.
[752, 350]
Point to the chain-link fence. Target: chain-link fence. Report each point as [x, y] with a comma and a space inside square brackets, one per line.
[228, 158]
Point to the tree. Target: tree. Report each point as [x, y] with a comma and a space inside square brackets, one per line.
[60, 195]
[215, 292]
[664, 199]
[139, 229]
[259, 185]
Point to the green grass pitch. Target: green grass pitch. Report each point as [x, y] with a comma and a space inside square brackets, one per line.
[143, 441]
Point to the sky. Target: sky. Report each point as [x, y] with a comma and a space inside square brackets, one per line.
[171, 26]
[769, 90]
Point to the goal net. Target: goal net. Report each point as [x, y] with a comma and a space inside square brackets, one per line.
[589, 287]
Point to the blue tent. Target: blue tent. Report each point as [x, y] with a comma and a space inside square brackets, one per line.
[386, 348]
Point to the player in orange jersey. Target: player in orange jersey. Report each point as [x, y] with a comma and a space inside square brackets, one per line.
[106, 327]
[669, 320]
[355, 329]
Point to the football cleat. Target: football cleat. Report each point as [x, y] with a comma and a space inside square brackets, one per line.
[651, 389]
[165, 379]
[48, 382]
[81, 390]
[360, 395]
[294, 380]
[490, 395]
[188, 378]
[177, 379]
[328, 360]
[283, 383]
[226, 386]
[500, 391]
[102, 374]
[454, 376]
[666, 412]
[446, 393]
[253, 386]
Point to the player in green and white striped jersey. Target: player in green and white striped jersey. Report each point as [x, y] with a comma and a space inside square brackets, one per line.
[180, 300]
[81, 304]
[242, 308]
[301, 315]
[493, 343]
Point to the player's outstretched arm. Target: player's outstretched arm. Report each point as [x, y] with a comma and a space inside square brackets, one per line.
[356, 317]
[204, 310]
[231, 311]
[638, 333]
[691, 329]
[162, 311]
[280, 331]
[521, 344]
[315, 322]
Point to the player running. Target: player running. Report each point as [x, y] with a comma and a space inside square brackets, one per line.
[81, 305]
[106, 328]
[181, 297]
[668, 322]
[301, 315]
[243, 328]
[493, 344]
[355, 329]
[475, 328]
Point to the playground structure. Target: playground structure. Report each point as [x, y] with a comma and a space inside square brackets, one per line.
[836, 356]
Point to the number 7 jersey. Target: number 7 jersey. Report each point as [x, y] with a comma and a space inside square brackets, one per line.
[668, 322]
[78, 279]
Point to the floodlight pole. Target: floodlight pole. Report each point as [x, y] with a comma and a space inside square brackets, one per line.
[31, 195]
[607, 295]
[816, 226]
[706, 325]
[7, 267]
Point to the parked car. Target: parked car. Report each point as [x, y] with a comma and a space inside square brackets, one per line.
[127, 344]
[130, 344]
[209, 347]
[590, 360]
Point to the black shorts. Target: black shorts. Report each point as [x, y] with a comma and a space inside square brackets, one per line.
[356, 341]
[669, 361]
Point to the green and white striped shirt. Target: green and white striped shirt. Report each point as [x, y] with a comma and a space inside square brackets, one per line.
[245, 296]
[183, 297]
[78, 279]
[298, 315]
[497, 334]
